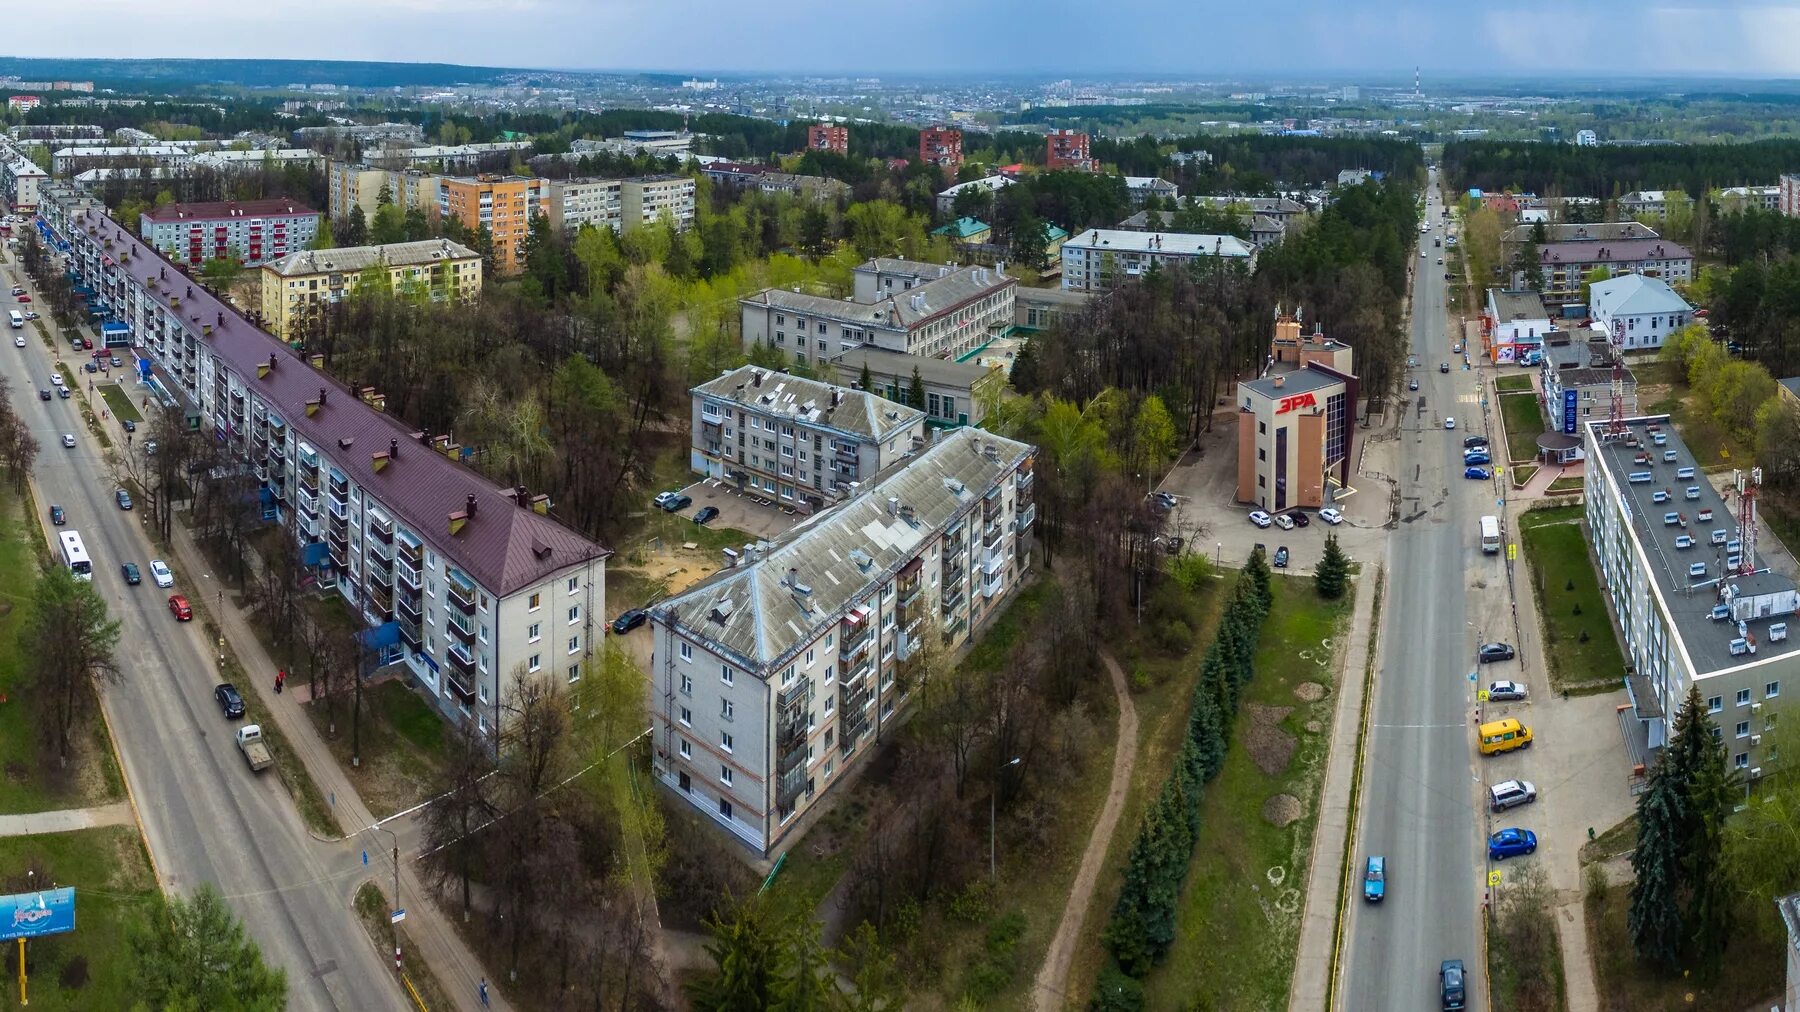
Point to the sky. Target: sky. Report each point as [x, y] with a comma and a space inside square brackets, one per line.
[1200, 38]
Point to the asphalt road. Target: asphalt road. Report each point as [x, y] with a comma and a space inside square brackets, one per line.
[1420, 803]
[207, 817]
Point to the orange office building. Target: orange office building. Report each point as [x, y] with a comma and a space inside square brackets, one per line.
[1297, 423]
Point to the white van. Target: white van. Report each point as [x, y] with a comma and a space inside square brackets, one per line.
[18, 319]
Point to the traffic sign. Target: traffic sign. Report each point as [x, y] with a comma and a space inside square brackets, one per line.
[1494, 878]
[397, 916]
[1512, 552]
[1481, 694]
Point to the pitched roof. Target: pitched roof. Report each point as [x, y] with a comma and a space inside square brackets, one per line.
[1613, 251]
[228, 209]
[939, 295]
[503, 546]
[350, 259]
[1603, 231]
[898, 363]
[818, 403]
[1166, 243]
[962, 228]
[1633, 294]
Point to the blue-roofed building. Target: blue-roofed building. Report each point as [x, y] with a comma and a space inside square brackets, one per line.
[966, 230]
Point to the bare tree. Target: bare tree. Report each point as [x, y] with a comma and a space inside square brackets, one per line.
[72, 641]
[464, 805]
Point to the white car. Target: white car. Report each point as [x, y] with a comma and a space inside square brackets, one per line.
[159, 571]
[1283, 521]
[1331, 516]
[1259, 518]
[19, 341]
[1450, 423]
[1506, 690]
[56, 379]
[69, 440]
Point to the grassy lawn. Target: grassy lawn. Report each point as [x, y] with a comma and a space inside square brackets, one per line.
[372, 909]
[1521, 475]
[1612, 843]
[1513, 384]
[402, 746]
[1711, 444]
[1239, 920]
[120, 403]
[1567, 486]
[1753, 963]
[110, 871]
[1524, 424]
[1579, 643]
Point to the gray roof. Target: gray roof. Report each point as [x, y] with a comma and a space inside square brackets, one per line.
[1293, 381]
[749, 612]
[1260, 205]
[1513, 304]
[1621, 251]
[1193, 244]
[1060, 297]
[1792, 383]
[350, 259]
[1689, 602]
[882, 361]
[940, 295]
[1609, 231]
[895, 265]
[1634, 294]
[856, 412]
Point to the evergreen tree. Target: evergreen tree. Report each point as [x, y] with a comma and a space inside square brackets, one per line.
[1711, 790]
[1257, 570]
[1333, 573]
[867, 380]
[747, 957]
[916, 393]
[1654, 918]
[194, 954]
[357, 232]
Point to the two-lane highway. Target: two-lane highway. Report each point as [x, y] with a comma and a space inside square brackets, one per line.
[1419, 807]
[207, 817]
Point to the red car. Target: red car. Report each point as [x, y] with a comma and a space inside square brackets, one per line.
[24, 298]
[178, 606]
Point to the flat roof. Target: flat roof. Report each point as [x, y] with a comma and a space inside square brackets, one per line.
[941, 371]
[1512, 304]
[1161, 243]
[1688, 601]
[1293, 381]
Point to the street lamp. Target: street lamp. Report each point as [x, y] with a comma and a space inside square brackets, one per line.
[391, 923]
[993, 864]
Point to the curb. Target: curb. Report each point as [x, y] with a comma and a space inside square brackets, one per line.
[1362, 744]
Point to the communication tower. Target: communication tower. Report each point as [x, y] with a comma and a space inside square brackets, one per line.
[1615, 415]
[1747, 485]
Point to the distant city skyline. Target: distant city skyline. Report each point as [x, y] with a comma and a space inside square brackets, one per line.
[1310, 38]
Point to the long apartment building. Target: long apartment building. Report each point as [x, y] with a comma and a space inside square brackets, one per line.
[349, 185]
[1100, 258]
[776, 676]
[941, 311]
[298, 285]
[504, 205]
[619, 204]
[250, 232]
[1696, 603]
[803, 442]
[70, 160]
[464, 581]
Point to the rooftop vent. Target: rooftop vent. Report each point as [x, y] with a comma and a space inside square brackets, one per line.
[862, 559]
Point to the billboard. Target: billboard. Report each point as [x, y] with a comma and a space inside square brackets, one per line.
[30, 915]
[1571, 398]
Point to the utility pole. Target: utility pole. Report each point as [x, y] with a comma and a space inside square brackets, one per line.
[393, 920]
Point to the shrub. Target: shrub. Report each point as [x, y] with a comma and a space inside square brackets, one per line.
[1117, 991]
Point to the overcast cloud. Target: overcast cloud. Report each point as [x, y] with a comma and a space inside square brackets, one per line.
[1298, 38]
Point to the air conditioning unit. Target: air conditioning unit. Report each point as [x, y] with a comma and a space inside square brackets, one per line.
[1755, 740]
[1755, 772]
[1755, 707]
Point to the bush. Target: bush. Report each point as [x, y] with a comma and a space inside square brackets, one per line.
[999, 960]
[1117, 991]
[1192, 571]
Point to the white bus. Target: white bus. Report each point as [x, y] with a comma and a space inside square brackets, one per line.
[75, 555]
[1490, 535]
[17, 318]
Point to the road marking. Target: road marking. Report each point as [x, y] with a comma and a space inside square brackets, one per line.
[1420, 727]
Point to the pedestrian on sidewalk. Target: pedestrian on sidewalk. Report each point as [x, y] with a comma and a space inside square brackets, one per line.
[280, 680]
[482, 989]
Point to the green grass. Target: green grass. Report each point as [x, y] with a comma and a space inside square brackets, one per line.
[1556, 550]
[372, 909]
[119, 402]
[400, 755]
[631, 588]
[1239, 920]
[1524, 424]
[110, 871]
[1610, 844]
[1753, 962]
[1525, 965]
[1567, 486]
[1513, 384]
[1521, 475]
[1711, 444]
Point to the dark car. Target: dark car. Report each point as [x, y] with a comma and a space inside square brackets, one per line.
[1281, 557]
[1471, 442]
[91, 366]
[677, 503]
[43, 394]
[1491, 652]
[629, 621]
[226, 694]
[1300, 518]
[1450, 984]
[1443, 367]
[130, 426]
[132, 576]
[123, 498]
[706, 514]
[57, 516]
[1474, 457]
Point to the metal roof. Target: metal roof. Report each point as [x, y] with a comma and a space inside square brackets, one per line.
[815, 402]
[1160, 243]
[350, 259]
[1633, 295]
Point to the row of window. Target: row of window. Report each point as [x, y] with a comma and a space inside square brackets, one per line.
[1716, 703]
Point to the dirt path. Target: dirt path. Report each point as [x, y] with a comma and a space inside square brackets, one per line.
[1053, 977]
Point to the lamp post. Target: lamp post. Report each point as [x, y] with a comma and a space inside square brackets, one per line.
[993, 862]
[391, 922]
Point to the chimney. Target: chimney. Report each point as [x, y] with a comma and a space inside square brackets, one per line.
[317, 360]
[263, 369]
[520, 496]
[221, 318]
[469, 504]
[793, 575]
[540, 504]
[893, 506]
[321, 397]
[190, 292]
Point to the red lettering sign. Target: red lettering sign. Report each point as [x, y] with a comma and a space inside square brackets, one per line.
[1297, 401]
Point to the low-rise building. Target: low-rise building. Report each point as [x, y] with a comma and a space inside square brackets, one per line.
[1749, 198]
[71, 160]
[777, 676]
[941, 146]
[1636, 311]
[827, 137]
[296, 286]
[1142, 188]
[650, 200]
[250, 232]
[946, 199]
[1099, 258]
[1566, 264]
[367, 133]
[1297, 422]
[1646, 203]
[1068, 149]
[232, 162]
[1576, 374]
[817, 188]
[1586, 139]
[802, 441]
[1515, 325]
[950, 316]
[956, 393]
[444, 158]
[965, 231]
[1569, 232]
[1038, 309]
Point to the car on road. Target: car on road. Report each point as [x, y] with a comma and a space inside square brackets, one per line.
[24, 298]
[18, 290]
[1260, 519]
[1505, 690]
[1331, 516]
[1281, 557]
[678, 503]
[1375, 878]
[159, 572]
[1476, 457]
[68, 440]
[1440, 262]
[1443, 367]
[1491, 653]
[229, 700]
[1510, 794]
[1451, 989]
[706, 514]
[18, 340]
[1283, 521]
[122, 497]
[1511, 842]
[43, 395]
[56, 379]
[32, 315]
[1449, 277]
[62, 392]
[1471, 442]
[1163, 502]
[132, 577]
[1478, 473]
[57, 516]
[629, 620]
[179, 607]
[1449, 423]
[1301, 519]
[1412, 384]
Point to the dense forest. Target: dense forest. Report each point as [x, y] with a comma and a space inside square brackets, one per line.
[1608, 171]
[1255, 164]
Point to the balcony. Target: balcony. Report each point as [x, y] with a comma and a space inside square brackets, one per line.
[460, 676]
[952, 599]
[991, 536]
[852, 675]
[340, 509]
[409, 553]
[380, 579]
[461, 594]
[379, 552]
[1023, 521]
[460, 625]
[1022, 480]
[993, 560]
[854, 643]
[408, 607]
[408, 576]
[409, 632]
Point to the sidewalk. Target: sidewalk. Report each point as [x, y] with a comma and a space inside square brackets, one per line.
[429, 928]
[67, 820]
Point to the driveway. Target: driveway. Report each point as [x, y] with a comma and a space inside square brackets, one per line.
[736, 510]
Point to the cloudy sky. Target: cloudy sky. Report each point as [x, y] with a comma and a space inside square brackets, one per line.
[1297, 38]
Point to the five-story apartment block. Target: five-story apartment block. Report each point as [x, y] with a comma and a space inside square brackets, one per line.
[250, 232]
[504, 205]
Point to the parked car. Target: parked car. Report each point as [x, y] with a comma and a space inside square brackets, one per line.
[1476, 457]
[1450, 423]
[57, 516]
[17, 290]
[159, 572]
[1471, 442]
[1163, 502]
[179, 607]
[24, 298]
[1449, 277]
[132, 577]
[114, 359]
[1450, 985]
[1281, 557]
[1260, 519]
[1283, 521]
[1511, 842]
[1492, 652]
[678, 503]
[130, 426]
[1301, 519]
[662, 499]
[1331, 516]
[1375, 879]
[31, 314]
[1510, 794]
[629, 621]
[91, 366]
[1478, 473]
[706, 514]
[123, 498]
[226, 695]
[1501, 691]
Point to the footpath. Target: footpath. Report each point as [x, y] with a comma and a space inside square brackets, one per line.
[67, 820]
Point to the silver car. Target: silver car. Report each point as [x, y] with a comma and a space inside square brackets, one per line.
[1506, 690]
[1510, 794]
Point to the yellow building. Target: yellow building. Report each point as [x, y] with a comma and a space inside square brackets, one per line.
[351, 185]
[504, 205]
[302, 283]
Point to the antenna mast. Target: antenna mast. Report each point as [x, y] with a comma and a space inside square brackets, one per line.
[1615, 416]
[1747, 484]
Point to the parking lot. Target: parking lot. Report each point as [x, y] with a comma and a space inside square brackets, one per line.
[738, 511]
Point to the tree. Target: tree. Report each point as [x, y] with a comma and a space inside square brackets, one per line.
[1030, 242]
[915, 394]
[194, 954]
[356, 231]
[463, 805]
[1334, 570]
[866, 381]
[1153, 435]
[1655, 917]
[747, 960]
[72, 642]
[221, 273]
[389, 225]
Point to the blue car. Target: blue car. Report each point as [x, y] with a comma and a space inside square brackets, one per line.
[1476, 458]
[1375, 879]
[1478, 473]
[1511, 843]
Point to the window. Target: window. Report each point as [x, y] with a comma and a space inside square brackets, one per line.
[725, 741]
[810, 651]
[575, 672]
[687, 651]
[787, 676]
[1741, 760]
[1772, 689]
[533, 602]
[830, 704]
[574, 614]
[726, 709]
[725, 775]
[828, 674]
[574, 584]
[725, 674]
[484, 633]
[1715, 703]
[531, 634]
[574, 644]
[1743, 697]
[1743, 729]
[829, 764]
[724, 808]
[687, 749]
[687, 684]
[687, 717]
[535, 663]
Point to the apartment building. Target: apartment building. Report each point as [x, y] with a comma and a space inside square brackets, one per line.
[1751, 198]
[462, 581]
[70, 160]
[950, 316]
[250, 232]
[826, 137]
[1648, 203]
[1068, 149]
[802, 441]
[946, 199]
[1695, 604]
[367, 133]
[444, 158]
[1565, 264]
[956, 393]
[504, 205]
[1142, 188]
[1099, 258]
[349, 184]
[1789, 200]
[231, 162]
[1576, 372]
[298, 285]
[942, 147]
[775, 677]
[1513, 239]
[20, 179]
[649, 200]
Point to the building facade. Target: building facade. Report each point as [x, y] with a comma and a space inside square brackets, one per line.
[20, 179]
[650, 200]
[775, 677]
[1142, 188]
[1297, 423]
[826, 137]
[572, 203]
[504, 205]
[946, 200]
[350, 185]
[71, 160]
[956, 393]
[950, 316]
[1576, 372]
[1068, 149]
[1638, 312]
[251, 232]
[296, 286]
[1565, 264]
[1100, 258]
[942, 147]
[462, 581]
